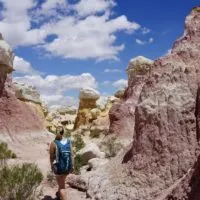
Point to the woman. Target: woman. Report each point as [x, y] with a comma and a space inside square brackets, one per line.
[60, 148]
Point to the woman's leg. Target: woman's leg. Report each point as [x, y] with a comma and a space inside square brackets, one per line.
[61, 186]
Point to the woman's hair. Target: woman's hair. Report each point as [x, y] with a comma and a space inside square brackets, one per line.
[60, 130]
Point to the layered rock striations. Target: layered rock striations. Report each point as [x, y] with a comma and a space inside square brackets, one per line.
[16, 117]
[122, 114]
[163, 160]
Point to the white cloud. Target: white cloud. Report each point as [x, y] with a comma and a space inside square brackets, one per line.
[56, 101]
[140, 42]
[122, 83]
[51, 4]
[23, 67]
[53, 88]
[143, 42]
[90, 37]
[168, 51]
[112, 70]
[145, 30]
[88, 7]
[15, 17]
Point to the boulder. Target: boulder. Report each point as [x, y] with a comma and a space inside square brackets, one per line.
[97, 163]
[6, 56]
[89, 93]
[75, 181]
[91, 150]
[88, 98]
[26, 93]
[139, 66]
[120, 93]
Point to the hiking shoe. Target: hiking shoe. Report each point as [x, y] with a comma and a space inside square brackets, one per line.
[58, 196]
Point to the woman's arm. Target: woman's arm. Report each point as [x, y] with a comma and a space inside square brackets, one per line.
[72, 154]
[52, 151]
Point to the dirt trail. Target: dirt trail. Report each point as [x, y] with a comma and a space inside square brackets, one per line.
[48, 193]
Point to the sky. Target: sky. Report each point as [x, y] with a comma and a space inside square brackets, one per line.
[61, 46]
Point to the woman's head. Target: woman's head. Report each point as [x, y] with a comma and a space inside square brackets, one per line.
[60, 130]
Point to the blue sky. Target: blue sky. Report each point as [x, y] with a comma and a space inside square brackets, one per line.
[62, 45]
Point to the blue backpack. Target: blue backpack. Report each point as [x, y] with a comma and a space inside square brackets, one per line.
[63, 163]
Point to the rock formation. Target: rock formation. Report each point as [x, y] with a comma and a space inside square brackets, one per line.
[63, 116]
[122, 114]
[163, 160]
[16, 117]
[93, 112]
[88, 98]
[120, 93]
[30, 96]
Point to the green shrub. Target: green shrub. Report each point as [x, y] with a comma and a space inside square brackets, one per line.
[95, 133]
[67, 133]
[111, 147]
[19, 182]
[78, 162]
[5, 153]
[14, 156]
[78, 142]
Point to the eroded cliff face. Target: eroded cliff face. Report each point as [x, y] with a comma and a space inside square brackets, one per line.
[122, 114]
[162, 162]
[16, 117]
[166, 123]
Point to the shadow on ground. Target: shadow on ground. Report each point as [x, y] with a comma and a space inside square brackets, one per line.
[48, 198]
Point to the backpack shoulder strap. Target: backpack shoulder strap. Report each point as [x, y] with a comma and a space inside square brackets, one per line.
[57, 143]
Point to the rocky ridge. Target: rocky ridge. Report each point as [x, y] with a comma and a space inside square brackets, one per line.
[122, 114]
[13, 112]
[163, 160]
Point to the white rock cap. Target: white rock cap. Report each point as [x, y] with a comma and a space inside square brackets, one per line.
[89, 93]
[27, 92]
[6, 54]
[139, 60]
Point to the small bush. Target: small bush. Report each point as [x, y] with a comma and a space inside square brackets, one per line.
[14, 156]
[78, 142]
[95, 133]
[67, 133]
[111, 147]
[5, 153]
[78, 162]
[19, 182]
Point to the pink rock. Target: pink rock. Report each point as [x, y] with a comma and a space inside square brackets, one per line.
[16, 117]
[122, 114]
[163, 160]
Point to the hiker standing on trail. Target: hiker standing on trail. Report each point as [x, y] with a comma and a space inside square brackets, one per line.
[61, 160]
